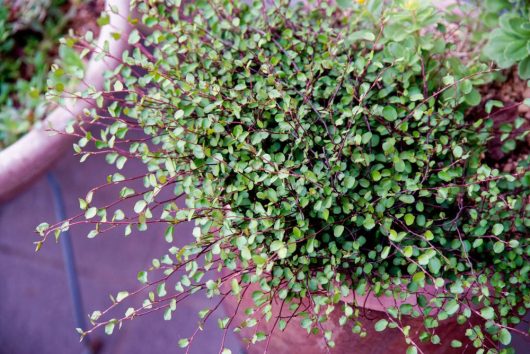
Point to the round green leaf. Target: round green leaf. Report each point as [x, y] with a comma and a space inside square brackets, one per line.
[381, 325]
[390, 113]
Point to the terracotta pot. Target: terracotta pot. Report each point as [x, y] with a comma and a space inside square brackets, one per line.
[24, 161]
[296, 339]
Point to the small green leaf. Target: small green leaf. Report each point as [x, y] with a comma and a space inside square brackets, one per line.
[381, 325]
[345, 3]
[488, 313]
[91, 212]
[498, 247]
[43, 226]
[456, 343]
[245, 253]
[428, 235]
[390, 113]
[505, 337]
[109, 327]
[418, 277]
[167, 314]
[276, 245]
[349, 182]
[493, 103]
[497, 229]
[121, 295]
[259, 260]
[412, 350]
[473, 98]
[409, 219]
[103, 20]
[139, 206]
[369, 222]
[134, 37]
[183, 343]
[407, 251]
[434, 265]
[423, 259]
[338, 230]
[407, 198]
[452, 306]
[236, 288]
[448, 80]
[385, 252]
[458, 151]
[142, 277]
[439, 282]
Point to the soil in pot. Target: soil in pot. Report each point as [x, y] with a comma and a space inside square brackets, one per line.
[511, 123]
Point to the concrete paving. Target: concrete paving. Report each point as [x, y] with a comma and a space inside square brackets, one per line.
[36, 313]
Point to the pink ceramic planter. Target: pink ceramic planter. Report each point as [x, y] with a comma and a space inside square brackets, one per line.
[29, 157]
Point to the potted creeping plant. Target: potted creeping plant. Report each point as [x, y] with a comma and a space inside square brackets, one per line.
[25, 154]
[336, 163]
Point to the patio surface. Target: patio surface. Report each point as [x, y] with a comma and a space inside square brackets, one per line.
[36, 313]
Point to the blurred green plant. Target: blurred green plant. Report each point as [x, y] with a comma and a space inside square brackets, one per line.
[29, 45]
[509, 40]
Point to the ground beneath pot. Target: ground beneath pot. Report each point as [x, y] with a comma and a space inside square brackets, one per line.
[35, 309]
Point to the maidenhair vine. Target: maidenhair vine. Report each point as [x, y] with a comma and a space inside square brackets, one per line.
[322, 152]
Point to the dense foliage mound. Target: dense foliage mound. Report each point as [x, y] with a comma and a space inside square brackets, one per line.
[322, 152]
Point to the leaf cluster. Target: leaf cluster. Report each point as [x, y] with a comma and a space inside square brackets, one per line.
[323, 152]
